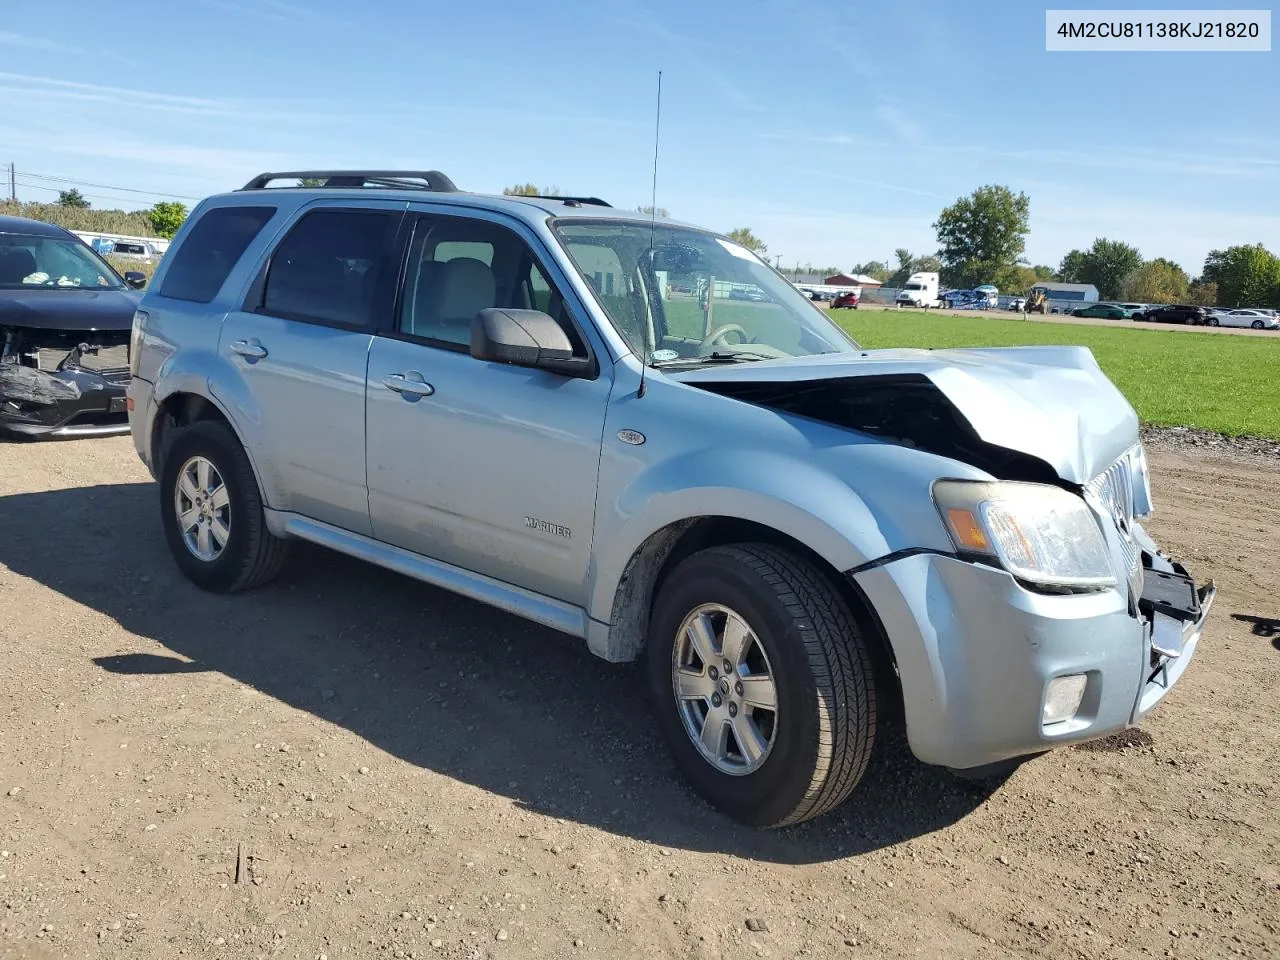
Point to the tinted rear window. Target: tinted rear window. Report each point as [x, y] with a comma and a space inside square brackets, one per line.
[329, 267]
[205, 258]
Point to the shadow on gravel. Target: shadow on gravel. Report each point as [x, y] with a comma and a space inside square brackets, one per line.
[1261, 627]
[439, 681]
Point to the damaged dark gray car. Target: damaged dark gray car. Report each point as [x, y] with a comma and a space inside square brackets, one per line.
[65, 317]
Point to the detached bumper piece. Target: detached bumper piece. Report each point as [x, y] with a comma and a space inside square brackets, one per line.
[69, 400]
[1177, 609]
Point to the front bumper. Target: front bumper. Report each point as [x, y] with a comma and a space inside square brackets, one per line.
[73, 402]
[976, 653]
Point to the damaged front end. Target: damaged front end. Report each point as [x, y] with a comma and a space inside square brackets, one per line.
[63, 383]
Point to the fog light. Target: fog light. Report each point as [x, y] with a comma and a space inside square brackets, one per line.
[1064, 696]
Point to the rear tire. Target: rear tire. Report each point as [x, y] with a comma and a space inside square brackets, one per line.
[241, 552]
[812, 748]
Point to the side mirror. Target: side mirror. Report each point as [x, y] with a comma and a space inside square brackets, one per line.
[525, 338]
[135, 279]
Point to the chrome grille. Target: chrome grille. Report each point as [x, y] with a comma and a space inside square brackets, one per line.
[1113, 490]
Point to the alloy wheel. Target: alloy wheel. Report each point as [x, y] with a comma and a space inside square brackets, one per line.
[725, 689]
[203, 507]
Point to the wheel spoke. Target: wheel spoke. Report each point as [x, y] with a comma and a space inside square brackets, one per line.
[202, 540]
[220, 498]
[750, 742]
[188, 519]
[759, 692]
[694, 685]
[703, 637]
[202, 475]
[220, 532]
[715, 731]
[737, 640]
[188, 487]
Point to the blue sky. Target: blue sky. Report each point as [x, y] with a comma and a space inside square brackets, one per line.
[836, 131]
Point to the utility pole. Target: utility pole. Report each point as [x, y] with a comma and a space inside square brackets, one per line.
[13, 183]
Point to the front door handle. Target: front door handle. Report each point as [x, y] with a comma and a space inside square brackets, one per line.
[251, 348]
[409, 384]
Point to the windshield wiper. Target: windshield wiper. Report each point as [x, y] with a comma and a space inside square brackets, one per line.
[717, 357]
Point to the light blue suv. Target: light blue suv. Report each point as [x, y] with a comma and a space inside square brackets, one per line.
[638, 433]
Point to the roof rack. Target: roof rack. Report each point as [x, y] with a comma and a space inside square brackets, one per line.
[571, 201]
[432, 180]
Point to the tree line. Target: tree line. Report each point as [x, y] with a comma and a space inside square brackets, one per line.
[72, 211]
[982, 238]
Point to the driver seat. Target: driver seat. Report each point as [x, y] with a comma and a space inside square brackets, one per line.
[16, 263]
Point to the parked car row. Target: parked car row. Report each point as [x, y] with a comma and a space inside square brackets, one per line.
[1258, 319]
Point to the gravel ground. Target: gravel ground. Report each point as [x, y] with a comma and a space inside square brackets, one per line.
[350, 764]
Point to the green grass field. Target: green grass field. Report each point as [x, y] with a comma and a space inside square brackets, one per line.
[1217, 382]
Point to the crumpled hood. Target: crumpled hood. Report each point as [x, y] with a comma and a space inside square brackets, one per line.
[1053, 403]
[69, 309]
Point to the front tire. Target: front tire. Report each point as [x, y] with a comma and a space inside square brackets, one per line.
[762, 683]
[212, 512]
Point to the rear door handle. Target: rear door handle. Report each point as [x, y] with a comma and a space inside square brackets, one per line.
[408, 384]
[249, 348]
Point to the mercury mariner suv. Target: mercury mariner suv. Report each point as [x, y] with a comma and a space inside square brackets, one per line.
[574, 414]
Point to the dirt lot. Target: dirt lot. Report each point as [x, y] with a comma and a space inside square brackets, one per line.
[350, 764]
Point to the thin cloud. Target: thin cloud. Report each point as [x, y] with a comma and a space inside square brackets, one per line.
[900, 123]
[233, 7]
[54, 46]
[1129, 162]
[877, 184]
[297, 12]
[35, 43]
[97, 144]
[55, 83]
[29, 86]
[688, 52]
[826, 139]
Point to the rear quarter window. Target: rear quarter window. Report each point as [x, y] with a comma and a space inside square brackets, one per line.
[202, 262]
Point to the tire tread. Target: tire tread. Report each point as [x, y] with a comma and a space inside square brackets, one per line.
[842, 670]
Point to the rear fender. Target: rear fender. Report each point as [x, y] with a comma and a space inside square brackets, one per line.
[204, 374]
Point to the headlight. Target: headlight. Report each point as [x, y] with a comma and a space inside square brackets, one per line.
[1039, 533]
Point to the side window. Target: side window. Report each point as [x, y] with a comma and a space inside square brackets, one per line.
[205, 258]
[458, 267]
[456, 249]
[539, 290]
[328, 267]
[601, 267]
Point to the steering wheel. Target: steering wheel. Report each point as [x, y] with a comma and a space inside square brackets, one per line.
[717, 336]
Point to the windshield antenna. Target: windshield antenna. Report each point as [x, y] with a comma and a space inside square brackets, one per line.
[653, 218]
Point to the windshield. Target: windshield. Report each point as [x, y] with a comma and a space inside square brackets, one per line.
[677, 294]
[27, 260]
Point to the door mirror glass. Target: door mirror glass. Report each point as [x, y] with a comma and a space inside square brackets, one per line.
[135, 279]
[524, 338]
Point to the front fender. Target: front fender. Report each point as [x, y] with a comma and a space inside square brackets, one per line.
[796, 498]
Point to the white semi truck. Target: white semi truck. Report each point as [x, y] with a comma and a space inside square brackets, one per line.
[920, 291]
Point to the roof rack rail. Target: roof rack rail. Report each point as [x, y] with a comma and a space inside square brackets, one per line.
[432, 180]
[571, 201]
